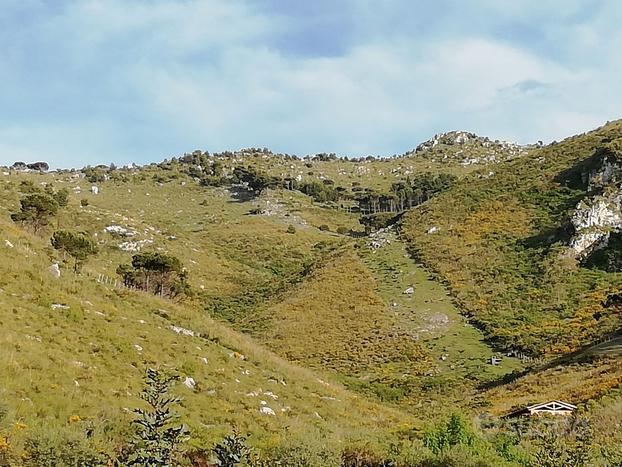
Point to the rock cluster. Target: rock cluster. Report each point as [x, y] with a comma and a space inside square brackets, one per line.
[598, 216]
[380, 238]
[468, 149]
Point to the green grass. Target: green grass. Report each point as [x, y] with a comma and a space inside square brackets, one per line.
[499, 247]
[321, 320]
[88, 360]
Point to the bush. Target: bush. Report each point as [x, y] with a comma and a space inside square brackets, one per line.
[363, 456]
[292, 454]
[60, 447]
[324, 228]
[84, 202]
[232, 450]
[341, 230]
[291, 229]
[451, 433]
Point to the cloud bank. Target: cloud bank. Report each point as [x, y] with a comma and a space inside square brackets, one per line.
[96, 81]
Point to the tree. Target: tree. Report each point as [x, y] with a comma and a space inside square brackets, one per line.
[256, 180]
[36, 210]
[77, 245]
[155, 272]
[40, 166]
[61, 196]
[157, 438]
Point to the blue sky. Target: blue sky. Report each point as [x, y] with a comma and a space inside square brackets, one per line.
[99, 81]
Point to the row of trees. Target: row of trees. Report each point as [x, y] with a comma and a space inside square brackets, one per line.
[402, 195]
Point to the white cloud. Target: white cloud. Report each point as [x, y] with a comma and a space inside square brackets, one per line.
[151, 78]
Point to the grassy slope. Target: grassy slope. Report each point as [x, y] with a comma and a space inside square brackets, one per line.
[336, 320]
[88, 360]
[457, 350]
[499, 247]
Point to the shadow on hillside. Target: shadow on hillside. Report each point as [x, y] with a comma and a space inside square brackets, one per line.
[548, 237]
[576, 177]
[612, 345]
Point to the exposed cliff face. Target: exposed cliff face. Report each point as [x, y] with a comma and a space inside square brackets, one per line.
[597, 216]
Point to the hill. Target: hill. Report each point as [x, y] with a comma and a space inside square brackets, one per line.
[335, 311]
[500, 244]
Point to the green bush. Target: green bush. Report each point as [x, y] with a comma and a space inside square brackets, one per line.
[232, 450]
[60, 447]
[451, 433]
[324, 228]
[341, 230]
[291, 229]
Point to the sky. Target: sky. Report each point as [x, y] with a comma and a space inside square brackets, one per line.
[99, 81]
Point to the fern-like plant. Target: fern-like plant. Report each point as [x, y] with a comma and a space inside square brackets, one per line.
[158, 437]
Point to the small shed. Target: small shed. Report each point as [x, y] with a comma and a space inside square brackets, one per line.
[545, 408]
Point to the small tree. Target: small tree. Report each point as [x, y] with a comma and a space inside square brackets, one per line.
[158, 437]
[232, 450]
[155, 272]
[77, 245]
[36, 210]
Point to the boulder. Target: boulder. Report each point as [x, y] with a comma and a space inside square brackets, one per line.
[189, 382]
[265, 410]
[54, 269]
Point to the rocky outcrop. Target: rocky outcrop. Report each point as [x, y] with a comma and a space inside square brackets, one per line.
[600, 214]
[594, 220]
[466, 148]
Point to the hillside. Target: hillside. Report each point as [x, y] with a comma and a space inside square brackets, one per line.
[331, 310]
[74, 347]
[500, 244]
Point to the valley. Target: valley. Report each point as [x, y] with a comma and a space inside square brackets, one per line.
[324, 308]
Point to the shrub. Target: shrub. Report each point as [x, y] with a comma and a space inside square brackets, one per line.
[324, 228]
[60, 447]
[84, 202]
[297, 454]
[232, 450]
[363, 456]
[291, 229]
[341, 230]
[451, 433]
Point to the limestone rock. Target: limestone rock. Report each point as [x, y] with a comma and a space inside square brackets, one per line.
[54, 269]
[189, 382]
[598, 216]
[265, 410]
